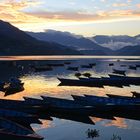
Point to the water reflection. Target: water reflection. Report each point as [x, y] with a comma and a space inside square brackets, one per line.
[46, 83]
[92, 133]
[119, 122]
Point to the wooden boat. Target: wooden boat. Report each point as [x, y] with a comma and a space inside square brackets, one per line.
[96, 100]
[86, 66]
[55, 65]
[95, 82]
[21, 118]
[114, 82]
[76, 82]
[117, 100]
[66, 106]
[10, 130]
[123, 65]
[90, 78]
[21, 106]
[136, 94]
[106, 81]
[53, 101]
[116, 76]
[12, 89]
[125, 78]
[122, 72]
[92, 64]
[30, 107]
[67, 63]
[133, 67]
[33, 101]
[119, 96]
[111, 64]
[78, 118]
[14, 85]
[36, 102]
[97, 78]
[42, 68]
[137, 65]
[73, 68]
[70, 107]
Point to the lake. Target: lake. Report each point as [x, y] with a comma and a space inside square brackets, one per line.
[46, 83]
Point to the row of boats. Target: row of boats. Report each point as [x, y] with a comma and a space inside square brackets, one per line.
[49, 67]
[112, 80]
[17, 115]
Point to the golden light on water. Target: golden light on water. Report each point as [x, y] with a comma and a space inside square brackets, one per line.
[119, 122]
[36, 86]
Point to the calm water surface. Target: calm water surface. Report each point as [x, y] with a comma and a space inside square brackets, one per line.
[46, 83]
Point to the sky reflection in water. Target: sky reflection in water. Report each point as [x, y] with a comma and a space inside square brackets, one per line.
[46, 83]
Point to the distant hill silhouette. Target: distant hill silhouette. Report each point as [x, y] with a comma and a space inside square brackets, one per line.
[13, 41]
[74, 41]
[16, 42]
[129, 50]
[115, 42]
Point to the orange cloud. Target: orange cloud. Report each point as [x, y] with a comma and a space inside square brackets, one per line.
[119, 4]
[11, 10]
[14, 11]
[81, 16]
[138, 5]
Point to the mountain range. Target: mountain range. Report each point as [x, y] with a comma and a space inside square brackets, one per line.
[97, 45]
[16, 42]
[77, 42]
[116, 42]
[13, 41]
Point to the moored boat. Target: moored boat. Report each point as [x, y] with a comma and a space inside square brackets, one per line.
[111, 64]
[92, 64]
[133, 67]
[96, 100]
[119, 96]
[10, 130]
[12, 89]
[66, 106]
[55, 65]
[86, 66]
[19, 117]
[121, 72]
[96, 82]
[20, 105]
[114, 100]
[76, 82]
[136, 94]
[73, 68]
[42, 68]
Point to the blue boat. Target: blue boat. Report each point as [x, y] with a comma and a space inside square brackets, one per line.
[119, 96]
[73, 68]
[70, 107]
[77, 82]
[10, 130]
[96, 100]
[121, 72]
[115, 100]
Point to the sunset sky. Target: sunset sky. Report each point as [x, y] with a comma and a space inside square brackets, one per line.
[86, 17]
